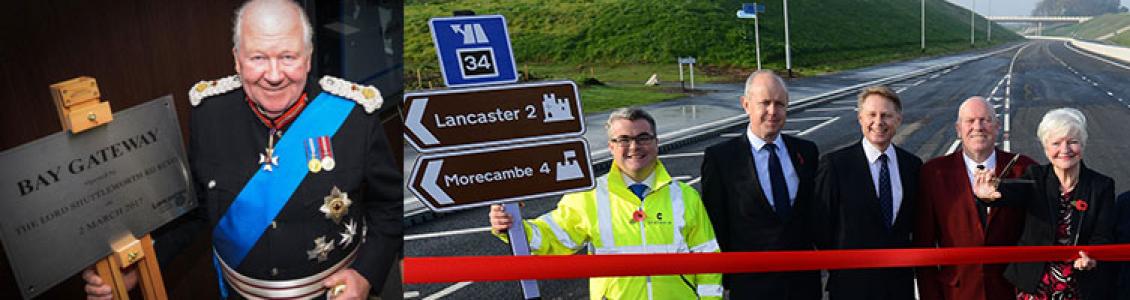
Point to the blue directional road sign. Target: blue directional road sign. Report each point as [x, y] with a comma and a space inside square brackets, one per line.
[474, 50]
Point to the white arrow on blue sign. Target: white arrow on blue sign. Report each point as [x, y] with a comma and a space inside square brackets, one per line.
[474, 50]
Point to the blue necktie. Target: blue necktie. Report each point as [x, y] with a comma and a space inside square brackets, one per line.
[886, 201]
[778, 185]
[638, 189]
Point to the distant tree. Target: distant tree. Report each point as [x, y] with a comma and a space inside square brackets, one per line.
[1123, 9]
[1075, 7]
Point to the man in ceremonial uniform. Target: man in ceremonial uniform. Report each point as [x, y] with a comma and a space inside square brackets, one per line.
[637, 208]
[294, 178]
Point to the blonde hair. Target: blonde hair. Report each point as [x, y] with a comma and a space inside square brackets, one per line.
[880, 90]
[1063, 122]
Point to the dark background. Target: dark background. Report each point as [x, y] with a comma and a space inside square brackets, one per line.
[140, 50]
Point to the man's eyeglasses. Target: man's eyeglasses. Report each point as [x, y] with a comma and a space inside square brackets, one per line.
[643, 139]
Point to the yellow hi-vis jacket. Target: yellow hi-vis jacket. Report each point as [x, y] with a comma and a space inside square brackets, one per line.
[601, 219]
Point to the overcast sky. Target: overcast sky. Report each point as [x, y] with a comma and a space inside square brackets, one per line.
[1007, 7]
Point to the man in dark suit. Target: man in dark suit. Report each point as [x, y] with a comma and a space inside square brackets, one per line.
[1122, 236]
[949, 215]
[865, 199]
[757, 189]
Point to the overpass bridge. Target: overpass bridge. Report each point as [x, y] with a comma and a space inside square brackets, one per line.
[1035, 19]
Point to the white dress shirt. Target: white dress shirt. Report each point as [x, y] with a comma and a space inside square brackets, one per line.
[761, 163]
[872, 154]
[970, 166]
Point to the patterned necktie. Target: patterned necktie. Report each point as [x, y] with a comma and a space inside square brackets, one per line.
[638, 189]
[777, 184]
[886, 201]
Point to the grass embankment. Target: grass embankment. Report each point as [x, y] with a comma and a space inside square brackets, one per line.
[620, 43]
[1098, 28]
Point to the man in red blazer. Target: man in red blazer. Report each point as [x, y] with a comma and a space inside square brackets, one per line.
[950, 216]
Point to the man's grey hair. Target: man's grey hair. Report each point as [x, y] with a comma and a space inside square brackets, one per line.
[992, 110]
[630, 114]
[1062, 122]
[749, 81]
[307, 29]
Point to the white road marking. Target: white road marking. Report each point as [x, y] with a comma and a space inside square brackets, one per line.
[935, 75]
[679, 155]
[953, 147]
[448, 290]
[694, 181]
[446, 233]
[806, 119]
[840, 108]
[1069, 47]
[790, 131]
[732, 134]
[818, 126]
[899, 90]
[411, 294]
[681, 178]
[916, 83]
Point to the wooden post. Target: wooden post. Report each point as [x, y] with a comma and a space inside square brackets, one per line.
[80, 108]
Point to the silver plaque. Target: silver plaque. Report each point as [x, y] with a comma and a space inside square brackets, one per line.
[67, 197]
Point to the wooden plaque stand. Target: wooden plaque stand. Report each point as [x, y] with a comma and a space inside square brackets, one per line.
[77, 101]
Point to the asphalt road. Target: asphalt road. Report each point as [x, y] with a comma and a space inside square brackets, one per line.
[1044, 75]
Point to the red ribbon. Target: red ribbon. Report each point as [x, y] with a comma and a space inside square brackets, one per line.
[504, 268]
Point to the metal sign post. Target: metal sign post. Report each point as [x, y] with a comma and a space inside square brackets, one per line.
[750, 11]
[521, 247]
[690, 62]
[788, 53]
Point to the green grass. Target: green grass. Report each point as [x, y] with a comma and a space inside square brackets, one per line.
[607, 97]
[1121, 39]
[1093, 28]
[623, 42]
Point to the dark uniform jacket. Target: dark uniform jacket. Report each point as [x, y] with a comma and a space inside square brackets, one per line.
[744, 221]
[226, 139]
[847, 217]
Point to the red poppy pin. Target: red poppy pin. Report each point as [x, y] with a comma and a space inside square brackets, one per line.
[1080, 205]
[638, 216]
[800, 159]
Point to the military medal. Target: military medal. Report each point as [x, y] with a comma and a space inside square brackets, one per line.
[321, 251]
[327, 153]
[347, 236]
[336, 205]
[314, 164]
[268, 158]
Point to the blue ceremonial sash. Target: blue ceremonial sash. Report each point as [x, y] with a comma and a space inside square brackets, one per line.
[268, 191]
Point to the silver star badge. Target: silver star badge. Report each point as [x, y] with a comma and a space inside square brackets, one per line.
[336, 205]
[347, 236]
[321, 250]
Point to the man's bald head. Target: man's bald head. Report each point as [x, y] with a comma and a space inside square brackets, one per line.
[977, 127]
[277, 15]
[765, 102]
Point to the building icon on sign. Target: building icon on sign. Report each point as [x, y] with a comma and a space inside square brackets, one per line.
[556, 110]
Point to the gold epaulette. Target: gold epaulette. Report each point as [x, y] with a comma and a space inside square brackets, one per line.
[366, 95]
[209, 88]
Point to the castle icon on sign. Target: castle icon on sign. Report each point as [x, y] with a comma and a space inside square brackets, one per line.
[555, 110]
[569, 169]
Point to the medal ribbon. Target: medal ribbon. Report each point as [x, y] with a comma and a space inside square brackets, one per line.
[311, 150]
[267, 192]
[327, 151]
[279, 122]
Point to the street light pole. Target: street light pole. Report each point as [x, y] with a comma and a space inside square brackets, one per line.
[972, 21]
[989, 23]
[923, 25]
[788, 54]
